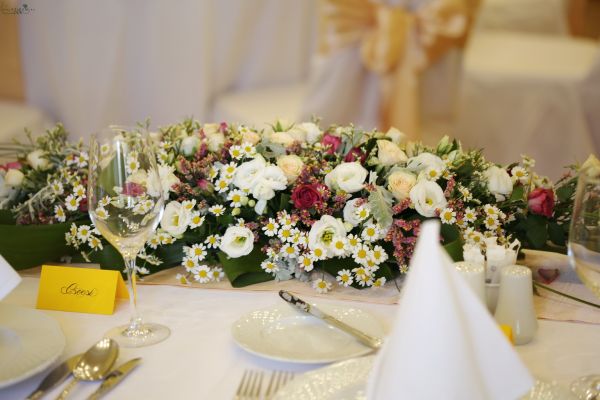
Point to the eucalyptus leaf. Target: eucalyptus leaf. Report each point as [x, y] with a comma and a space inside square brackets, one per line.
[380, 202]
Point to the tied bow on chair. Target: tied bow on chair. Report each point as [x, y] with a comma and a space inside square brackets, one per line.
[397, 44]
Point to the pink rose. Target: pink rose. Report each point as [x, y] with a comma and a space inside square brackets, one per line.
[541, 202]
[133, 189]
[11, 165]
[356, 154]
[333, 142]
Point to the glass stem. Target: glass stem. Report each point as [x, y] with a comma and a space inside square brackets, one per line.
[135, 323]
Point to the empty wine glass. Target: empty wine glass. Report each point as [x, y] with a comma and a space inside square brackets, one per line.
[126, 202]
[584, 254]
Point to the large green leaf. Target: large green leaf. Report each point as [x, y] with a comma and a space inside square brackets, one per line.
[244, 271]
[26, 246]
[537, 232]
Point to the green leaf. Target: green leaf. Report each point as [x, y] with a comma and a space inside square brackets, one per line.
[284, 201]
[557, 234]
[7, 217]
[380, 201]
[564, 193]
[244, 271]
[537, 232]
[518, 193]
[26, 246]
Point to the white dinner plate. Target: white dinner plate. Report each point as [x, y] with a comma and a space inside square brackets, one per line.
[30, 341]
[285, 333]
[347, 380]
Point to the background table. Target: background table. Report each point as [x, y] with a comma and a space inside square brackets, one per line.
[201, 361]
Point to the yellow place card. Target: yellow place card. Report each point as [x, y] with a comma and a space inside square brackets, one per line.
[84, 290]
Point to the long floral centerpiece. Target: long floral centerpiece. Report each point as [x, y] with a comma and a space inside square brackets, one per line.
[339, 204]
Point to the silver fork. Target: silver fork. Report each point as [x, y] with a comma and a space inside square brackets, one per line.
[278, 380]
[250, 385]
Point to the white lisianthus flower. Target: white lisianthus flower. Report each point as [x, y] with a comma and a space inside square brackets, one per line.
[237, 241]
[312, 131]
[190, 144]
[37, 160]
[400, 183]
[323, 232]
[350, 215]
[271, 179]
[175, 219]
[389, 153]
[395, 135]
[291, 165]
[425, 161]
[498, 182]
[13, 178]
[349, 177]
[427, 197]
[249, 173]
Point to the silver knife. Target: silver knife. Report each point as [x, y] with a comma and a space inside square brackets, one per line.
[370, 341]
[116, 376]
[55, 377]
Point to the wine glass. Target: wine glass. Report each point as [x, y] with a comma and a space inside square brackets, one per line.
[126, 201]
[584, 253]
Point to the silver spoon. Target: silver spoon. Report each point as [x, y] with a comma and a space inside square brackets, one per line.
[94, 365]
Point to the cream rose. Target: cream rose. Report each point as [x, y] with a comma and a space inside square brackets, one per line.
[210, 129]
[283, 138]
[395, 135]
[349, 177]
[251, 137]
[291, 165]
[498, 182]
[400, 183]
[238, 241]
[389, 153]
[324, 231]
[13, 178]
[427, 197]
[37, 160]
[313, 133]
[175, 219]
[215, 141]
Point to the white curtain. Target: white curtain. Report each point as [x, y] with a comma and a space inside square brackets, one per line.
[93, 63]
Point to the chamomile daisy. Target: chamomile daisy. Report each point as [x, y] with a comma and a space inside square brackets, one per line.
[103, 202]
[57, 188]
[188, 204]
[470, 215]
[236, 152]
[198, 251]
[95, 243]
[371, 232]
[339, 245]
[306, 262]
[197, 220]
[344, 277]
[222, 185]
[202, 274]
[59, 213]
[101, 213]
[361, 254]
[519, 174]
[363, 212]
[364, 279]
[189, 263]
[269, 266]
[248, 149]
[217, 210]
[83, 232]
[236, 198]
[378, 255]
[491, 222]
[228, 170]
[448, 216]
[212, 241]
[72, 202]
[154, 242]
[321, 286]
[289, 250]
[353, 241]
[216, 274]
[319, 253]
[379, 282]
[271, 227]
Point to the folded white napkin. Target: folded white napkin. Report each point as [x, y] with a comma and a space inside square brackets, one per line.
[444, 344]
[9, 279]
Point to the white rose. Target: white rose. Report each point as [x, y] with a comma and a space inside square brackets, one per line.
[389, 153]
[498, 182]
[167, 178]
[323, 232]
[283, 138]
[427, 197]
[298, 134]
[155, 137]
[251, 137]
[237, 241]
[291, 165]
[190, 144]
[272, 179]
[14, 178]
[400, 184]
[425, 161]
[313, 133]
[249, 173]
[37, 160]
[396, 136]
[215, 141]
[350, 212]
[175, 219]
[349, 177]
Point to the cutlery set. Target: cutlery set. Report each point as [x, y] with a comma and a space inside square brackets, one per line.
[93, 365]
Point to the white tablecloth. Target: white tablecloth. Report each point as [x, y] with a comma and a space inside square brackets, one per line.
[201, 361]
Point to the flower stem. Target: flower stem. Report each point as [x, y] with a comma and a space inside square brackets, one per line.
[566, 295]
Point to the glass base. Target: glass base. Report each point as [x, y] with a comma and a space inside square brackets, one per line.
[144, 335]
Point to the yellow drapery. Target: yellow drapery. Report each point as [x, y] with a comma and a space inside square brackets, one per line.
[396, 44]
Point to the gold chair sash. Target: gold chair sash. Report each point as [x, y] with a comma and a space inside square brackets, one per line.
[396, 44]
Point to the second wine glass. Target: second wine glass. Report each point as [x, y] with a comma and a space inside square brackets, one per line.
[126, 201]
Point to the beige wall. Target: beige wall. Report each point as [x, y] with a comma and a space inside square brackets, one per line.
[11, 78]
